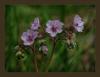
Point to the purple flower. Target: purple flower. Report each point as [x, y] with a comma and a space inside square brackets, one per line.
[35, 24]
[78, 23]
[54, 27]
[29, 37]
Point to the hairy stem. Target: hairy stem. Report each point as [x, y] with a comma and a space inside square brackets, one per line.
[35, 60]
[50, 59]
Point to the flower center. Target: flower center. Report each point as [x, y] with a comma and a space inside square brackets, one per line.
[76, 24]
[29, 38]
[54, 29]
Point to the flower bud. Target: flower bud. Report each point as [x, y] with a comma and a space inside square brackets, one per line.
[44, 49]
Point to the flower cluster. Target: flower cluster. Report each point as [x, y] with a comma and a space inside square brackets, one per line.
[53, 27]
[30, 35]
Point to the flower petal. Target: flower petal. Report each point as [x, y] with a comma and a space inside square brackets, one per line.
[53, 34]
[28, 43]
[59, 30]
[48, 30]
[36, 20]
[77, 18]
[49, 23]
[24, 36]
[79, 29]
[81, 23]
[34, 35]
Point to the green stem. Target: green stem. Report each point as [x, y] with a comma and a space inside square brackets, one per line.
[50, 59]
[35, 60]
[19, 66]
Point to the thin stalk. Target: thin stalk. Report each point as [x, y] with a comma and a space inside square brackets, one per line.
[19, 66]
[19, 61]
[35, 60]
[50, 59]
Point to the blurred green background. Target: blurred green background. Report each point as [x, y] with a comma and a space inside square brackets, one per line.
[18, 18]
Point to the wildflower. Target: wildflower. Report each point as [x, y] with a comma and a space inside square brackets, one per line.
[35, 24]
[54, 27]
[78, 23]
[29, 37]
